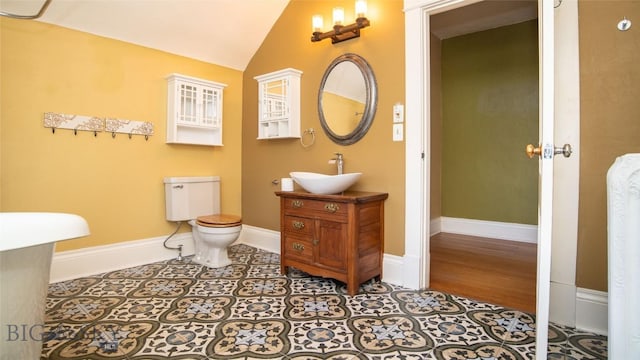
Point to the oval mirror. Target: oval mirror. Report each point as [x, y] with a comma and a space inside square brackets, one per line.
[347, 99]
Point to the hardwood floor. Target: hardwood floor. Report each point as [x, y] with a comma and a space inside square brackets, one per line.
[495, 271]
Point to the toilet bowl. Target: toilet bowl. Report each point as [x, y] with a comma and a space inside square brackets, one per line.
[190, 199]
[212, 235]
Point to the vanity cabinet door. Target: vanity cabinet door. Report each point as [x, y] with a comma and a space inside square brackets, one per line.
[331, 247]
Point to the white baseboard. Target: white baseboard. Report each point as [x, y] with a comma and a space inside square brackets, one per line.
[73, 264]
[260, 238]
[393, 270]
[435, 226]
[592, 312]
[489, 229]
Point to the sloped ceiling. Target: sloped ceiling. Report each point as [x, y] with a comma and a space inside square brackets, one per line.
[221, 32]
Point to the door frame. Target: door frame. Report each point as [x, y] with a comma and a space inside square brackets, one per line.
[417, 180]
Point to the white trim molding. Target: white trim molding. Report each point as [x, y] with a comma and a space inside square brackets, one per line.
[94, 260]
[393, 270]
[592, 311]
[489, 229]
[261, 238]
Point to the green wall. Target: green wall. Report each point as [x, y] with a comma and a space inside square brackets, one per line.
[490, 113]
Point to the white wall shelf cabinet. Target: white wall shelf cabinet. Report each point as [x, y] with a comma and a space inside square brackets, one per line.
[279, 104]
[194, 111]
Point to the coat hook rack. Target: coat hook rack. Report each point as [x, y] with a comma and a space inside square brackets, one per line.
[129, 127]
[73, 122]
[97, 124]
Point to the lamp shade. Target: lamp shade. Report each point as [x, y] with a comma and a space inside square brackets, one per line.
[338, 16]
[361, 8]
[317, 23]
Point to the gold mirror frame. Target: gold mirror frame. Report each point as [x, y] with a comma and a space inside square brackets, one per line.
[371, 92]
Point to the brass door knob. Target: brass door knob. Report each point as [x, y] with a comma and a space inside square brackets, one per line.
[532, 150]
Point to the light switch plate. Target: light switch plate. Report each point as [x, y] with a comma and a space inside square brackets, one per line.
[398, 113]
[398, 132]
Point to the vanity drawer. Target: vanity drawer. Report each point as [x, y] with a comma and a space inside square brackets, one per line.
[298, 225]
[316, 207]
[298, 249]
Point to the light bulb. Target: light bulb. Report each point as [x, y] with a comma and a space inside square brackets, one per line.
[338, 16]
[361, 8]
[318, 23]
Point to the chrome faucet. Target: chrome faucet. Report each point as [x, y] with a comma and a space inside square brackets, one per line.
[339, 161]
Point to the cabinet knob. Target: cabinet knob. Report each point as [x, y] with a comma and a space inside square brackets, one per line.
[297, 246]
[331, 207]
[315, 242]
[297, 203]
[299, 225]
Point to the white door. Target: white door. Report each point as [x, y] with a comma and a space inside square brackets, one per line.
[545, 186]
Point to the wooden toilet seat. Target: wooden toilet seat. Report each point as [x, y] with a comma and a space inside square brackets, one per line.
[219, 220]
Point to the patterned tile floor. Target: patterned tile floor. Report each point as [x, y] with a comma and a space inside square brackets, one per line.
[247, 310]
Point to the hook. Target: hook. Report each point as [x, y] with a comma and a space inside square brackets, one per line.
[75, 131]
[113, 134]
[95, 133]
[129, 135]
[146, 137]
[53, 130]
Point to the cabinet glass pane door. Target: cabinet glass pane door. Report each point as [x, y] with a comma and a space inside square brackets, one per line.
[279, 104]
[209, 108]
[188, 104]
[275, 100]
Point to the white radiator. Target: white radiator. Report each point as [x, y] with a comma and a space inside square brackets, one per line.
[623, 209]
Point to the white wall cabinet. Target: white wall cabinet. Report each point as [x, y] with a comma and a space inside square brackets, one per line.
[194, 111]
[279, 104]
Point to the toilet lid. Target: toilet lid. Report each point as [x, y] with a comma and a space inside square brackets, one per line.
[219, 220]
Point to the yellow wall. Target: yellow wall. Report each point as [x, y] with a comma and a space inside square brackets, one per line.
[609, 122]
[115, 184]
[379, 158]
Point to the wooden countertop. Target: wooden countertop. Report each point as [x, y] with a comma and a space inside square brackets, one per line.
[347, 196]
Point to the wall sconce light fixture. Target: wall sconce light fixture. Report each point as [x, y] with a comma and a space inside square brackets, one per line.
[340, 31]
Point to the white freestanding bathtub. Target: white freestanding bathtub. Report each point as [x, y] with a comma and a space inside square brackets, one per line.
[623, 210]
[26, 247]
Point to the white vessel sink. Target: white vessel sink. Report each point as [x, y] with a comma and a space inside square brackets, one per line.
[324, 184]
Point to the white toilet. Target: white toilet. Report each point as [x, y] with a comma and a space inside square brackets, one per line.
[197, 200]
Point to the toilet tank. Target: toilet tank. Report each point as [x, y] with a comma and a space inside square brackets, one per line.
[186, 198]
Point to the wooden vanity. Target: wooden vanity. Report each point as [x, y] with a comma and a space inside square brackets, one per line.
[337, 236]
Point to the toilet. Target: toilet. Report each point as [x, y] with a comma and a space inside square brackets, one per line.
[197, 201]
